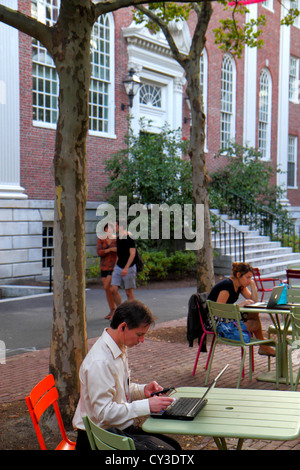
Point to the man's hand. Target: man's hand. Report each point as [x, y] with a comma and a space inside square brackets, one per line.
[152, 387]
[159, 403]
[124, 272]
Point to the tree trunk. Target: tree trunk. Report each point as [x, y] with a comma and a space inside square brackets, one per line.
[69, 44]
[71, 53]
[191, 66]
[204, 256]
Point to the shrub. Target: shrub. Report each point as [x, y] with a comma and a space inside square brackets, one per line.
[158, 265]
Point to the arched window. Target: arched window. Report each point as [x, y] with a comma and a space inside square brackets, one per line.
[150, 95]
[101, 98]
[228, 92]
[203, 78]
[203, 85]
[45, 86]
[264, 114]
[292, 162]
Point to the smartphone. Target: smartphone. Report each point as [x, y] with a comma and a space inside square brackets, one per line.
[164, 390]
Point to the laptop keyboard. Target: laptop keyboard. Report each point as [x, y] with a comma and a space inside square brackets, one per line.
[185, 407]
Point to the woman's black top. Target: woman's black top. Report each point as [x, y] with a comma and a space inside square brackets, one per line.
[227, 285]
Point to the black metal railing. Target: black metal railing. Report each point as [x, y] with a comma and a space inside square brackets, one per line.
[228, 238]
[257, 217]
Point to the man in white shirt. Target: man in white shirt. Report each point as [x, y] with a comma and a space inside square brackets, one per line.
[107, 396]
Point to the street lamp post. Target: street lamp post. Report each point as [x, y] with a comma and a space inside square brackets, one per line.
[131, 84]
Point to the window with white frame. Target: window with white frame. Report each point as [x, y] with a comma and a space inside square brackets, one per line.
[150, 95]
[294, 80]
[101, 89]
[292, 162]
[264, 118]
[45, 78]
[203, 79]
[203, 86]
[48, 245]
[268, 4]
[228, 87]
[295, 4]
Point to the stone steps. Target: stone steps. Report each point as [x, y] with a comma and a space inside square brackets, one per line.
[269, 256]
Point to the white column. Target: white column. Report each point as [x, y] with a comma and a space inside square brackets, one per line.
[9, 111]
[283, 103]
[250, 72]
[176, 116]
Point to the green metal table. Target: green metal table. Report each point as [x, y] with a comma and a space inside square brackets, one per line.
[237, 413]
[281, 321]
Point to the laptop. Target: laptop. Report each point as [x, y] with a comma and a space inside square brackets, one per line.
[273, 300]
[186, 408]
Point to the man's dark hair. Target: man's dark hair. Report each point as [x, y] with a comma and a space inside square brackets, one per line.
[132, 312]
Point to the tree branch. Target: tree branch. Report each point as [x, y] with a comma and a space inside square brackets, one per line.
[112, 5]
[27, 25]
[164, 27]
[203, 14]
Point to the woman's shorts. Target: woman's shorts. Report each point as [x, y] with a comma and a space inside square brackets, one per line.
[106, 273]
[126, 282]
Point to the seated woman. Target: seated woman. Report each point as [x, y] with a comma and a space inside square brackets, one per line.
[228, 292]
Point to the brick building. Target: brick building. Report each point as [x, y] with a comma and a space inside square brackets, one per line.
[254, 100]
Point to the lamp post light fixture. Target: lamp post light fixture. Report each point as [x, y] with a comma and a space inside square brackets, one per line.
[131, 84]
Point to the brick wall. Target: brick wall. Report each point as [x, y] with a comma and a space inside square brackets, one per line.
[37, 144]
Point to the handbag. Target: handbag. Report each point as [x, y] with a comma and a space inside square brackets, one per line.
[230, 330]
[283, 298]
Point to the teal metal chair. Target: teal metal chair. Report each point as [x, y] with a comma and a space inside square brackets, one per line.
[232, 313]
[294, 351]
[100, 439]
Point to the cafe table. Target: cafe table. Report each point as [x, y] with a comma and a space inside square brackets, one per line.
[281, 321]
[236, 413]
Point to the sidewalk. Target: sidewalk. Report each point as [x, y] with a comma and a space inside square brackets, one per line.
[168, 363]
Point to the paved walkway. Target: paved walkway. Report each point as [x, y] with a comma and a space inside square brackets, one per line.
[168, 363]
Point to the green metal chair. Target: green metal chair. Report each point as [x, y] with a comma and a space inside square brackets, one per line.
[232, 313]
[294, 341]
[100, 439]
[293, 297]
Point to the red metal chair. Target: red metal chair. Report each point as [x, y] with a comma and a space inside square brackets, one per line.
[293, 275]
[259, 282]
[43, 395]
[205, 332]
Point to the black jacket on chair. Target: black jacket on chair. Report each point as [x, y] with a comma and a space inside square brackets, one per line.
[194, 328]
